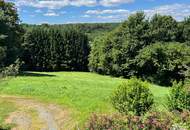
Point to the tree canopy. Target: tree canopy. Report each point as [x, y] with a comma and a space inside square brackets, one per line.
[137, 46]
[52, 49]
[10, 33]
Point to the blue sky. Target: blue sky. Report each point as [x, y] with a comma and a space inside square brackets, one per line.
[90, 11]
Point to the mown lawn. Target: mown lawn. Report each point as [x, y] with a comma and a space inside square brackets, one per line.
[81, 92]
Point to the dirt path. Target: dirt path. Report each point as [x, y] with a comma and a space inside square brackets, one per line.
[33, 115]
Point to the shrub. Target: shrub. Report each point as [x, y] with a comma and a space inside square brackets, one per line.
[107, 122]
[182, 119]
[11, 70]
[179, 97]
[153, 121]
[133, 97]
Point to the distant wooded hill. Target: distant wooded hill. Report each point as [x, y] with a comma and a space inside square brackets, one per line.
[91, 29]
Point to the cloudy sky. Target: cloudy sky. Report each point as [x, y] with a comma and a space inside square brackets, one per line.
[81, 11]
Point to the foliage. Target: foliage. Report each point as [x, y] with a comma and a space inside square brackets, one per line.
[10, 34]
[2, 55]
[118, 52]
[163, 28]
[133, 96]
[117, 49]
[92, 30]
[179, 98]
[186, 29]
[182, 119]
[105, 122]
[48, 49]
[11, 70]
[164, 62]
[153, 121]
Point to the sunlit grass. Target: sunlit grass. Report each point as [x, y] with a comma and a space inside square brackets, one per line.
[81, 92]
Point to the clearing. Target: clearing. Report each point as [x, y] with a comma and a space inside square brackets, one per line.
[76, 93]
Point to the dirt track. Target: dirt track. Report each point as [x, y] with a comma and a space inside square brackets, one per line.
[34, 115]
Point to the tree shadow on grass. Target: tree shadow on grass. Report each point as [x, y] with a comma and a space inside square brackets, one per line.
[32, 74]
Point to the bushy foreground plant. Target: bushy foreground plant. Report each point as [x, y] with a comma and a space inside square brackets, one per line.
[133, 96]
[153, 121]
[182, 119]
[179, 98]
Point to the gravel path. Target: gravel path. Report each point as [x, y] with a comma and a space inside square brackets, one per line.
[47, 117]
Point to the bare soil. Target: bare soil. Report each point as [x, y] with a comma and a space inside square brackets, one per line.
[34, 115]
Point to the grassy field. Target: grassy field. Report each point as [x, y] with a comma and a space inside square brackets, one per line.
[5, 109]
[81, 92]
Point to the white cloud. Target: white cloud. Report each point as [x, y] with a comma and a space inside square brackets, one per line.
[38, 11]
[178, 11]
[57, 4]
[116, 11]
[86, 16]
[54, 4]
[114, 2]
[51, 13]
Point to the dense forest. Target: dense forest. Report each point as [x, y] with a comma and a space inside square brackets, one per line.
[155, 49]
[47, 49]
[92, 30]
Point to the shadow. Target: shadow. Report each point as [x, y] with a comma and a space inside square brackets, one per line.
[5, 128]
[35, 74]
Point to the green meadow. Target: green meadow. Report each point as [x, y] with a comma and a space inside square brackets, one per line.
[81, 92]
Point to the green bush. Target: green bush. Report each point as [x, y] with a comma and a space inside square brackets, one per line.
[179, 97]
[133, 96]
[107, 122]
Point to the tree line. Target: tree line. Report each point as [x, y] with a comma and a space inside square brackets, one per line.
[155, 49]
[51, 49]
